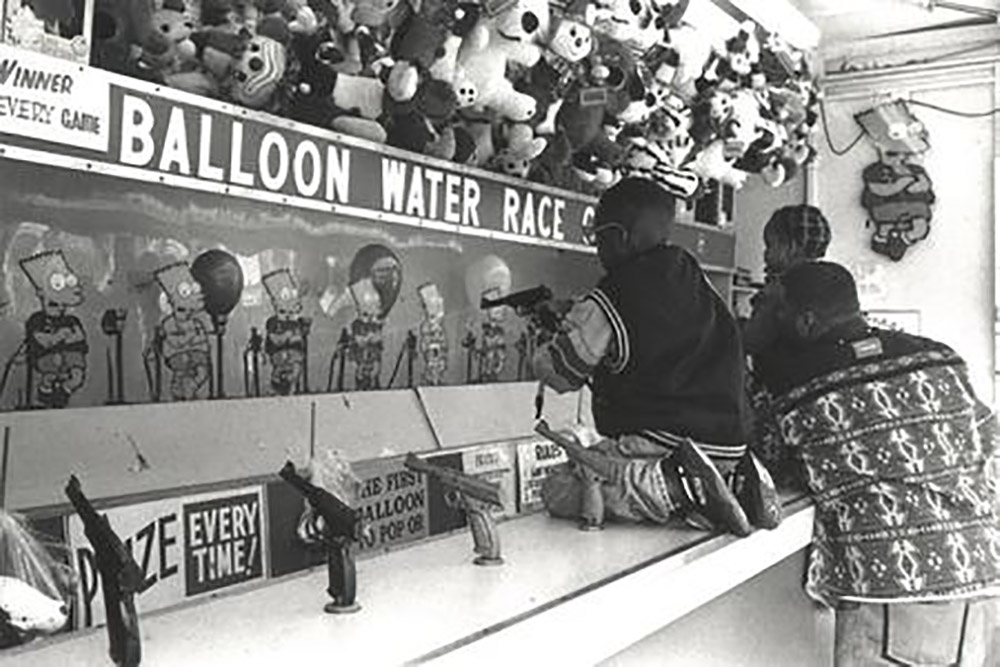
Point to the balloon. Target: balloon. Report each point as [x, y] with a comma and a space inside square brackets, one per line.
[221, 280]
[489, 273]
[382, 266]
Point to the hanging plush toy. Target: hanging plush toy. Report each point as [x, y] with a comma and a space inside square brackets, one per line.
[512, 37]
[898, 194]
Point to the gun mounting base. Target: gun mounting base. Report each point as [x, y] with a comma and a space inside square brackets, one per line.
[487, 560]
[335, 608]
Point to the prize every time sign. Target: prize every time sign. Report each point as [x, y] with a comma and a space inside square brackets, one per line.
[158, 134]
[185, 547]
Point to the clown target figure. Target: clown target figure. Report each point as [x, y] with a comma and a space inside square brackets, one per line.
[56, 344]
[433, 339]
[366, 346]
[286, 330]
[183, 334]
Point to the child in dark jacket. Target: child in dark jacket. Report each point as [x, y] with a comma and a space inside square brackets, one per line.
[662, 355]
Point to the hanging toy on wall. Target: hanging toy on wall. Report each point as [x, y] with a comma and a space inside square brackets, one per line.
[898, 194]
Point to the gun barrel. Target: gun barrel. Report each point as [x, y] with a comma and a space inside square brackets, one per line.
[109, 551]
[341, 519]
[593, 460]
[524, 299]
[471, 486]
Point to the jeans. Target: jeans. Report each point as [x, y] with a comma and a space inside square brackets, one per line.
[958, 634]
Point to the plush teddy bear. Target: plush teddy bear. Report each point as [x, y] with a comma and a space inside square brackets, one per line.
[426, 123]
[166, 45]
[423, 39]
[511, 37]
[522, 147]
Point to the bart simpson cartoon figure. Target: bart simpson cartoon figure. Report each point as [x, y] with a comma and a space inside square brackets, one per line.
[433, 339]
[184, 335]
[56, 344]
[493, 353]
[286, 330]
[366, 336]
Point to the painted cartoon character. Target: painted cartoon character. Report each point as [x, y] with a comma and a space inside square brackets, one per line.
[55, 341]
[285, 331]
[366, 345]
[183, 335]
[897, 193]
[493, 351]
[433, 339]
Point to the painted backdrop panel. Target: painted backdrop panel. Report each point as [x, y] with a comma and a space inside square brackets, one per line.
[327, 303]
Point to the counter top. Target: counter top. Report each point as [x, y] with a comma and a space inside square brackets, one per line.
[429, 604]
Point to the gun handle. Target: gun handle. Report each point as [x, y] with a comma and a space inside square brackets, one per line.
[341, 579]
[124, 640]
[591, 501]
[485, 540]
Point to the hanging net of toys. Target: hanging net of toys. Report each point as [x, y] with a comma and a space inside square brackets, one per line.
[567, 93]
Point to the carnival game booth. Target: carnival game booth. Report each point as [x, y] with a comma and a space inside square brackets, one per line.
[198, 289]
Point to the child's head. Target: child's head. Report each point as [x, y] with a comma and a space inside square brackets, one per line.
[633, 216]
[793, 235]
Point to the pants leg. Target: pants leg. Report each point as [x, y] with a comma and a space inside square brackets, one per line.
[953, 634]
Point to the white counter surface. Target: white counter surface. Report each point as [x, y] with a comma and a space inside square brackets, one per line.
[562, 595]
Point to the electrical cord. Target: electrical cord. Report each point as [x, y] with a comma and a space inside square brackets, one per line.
[955, 112]
[829, 141]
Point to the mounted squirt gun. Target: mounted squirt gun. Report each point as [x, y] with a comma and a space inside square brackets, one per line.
[474, 497]
[594, 469]
[121, 579]
[342, 527]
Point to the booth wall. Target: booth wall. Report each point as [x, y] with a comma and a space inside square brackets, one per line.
[948, 278]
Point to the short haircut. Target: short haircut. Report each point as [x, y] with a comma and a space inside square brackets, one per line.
[826, 288]
[627, 200]
[801, 226]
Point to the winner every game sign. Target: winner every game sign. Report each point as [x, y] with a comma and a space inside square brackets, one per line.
[308, 167]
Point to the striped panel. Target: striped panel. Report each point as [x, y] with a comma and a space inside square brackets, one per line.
[619, 331]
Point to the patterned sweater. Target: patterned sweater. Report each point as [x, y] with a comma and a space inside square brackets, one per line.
[896, 451]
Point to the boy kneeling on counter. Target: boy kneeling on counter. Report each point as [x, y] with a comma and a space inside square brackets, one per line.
[662, 355]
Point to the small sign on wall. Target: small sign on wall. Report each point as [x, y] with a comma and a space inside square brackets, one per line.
[185, 547]
[53, 100]
[895, 320]
[535, 462]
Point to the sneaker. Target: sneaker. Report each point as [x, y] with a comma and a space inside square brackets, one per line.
[754, 489]
[710, 502]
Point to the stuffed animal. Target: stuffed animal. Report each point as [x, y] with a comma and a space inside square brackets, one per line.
[522, 148]
[423, 39]
[569, 42]
[118, 29]
[425, 123]
[693, 54]
[632, 23]
[259, 72]
[510, 38]
[166, 45]
[712, 163]
[734, 67]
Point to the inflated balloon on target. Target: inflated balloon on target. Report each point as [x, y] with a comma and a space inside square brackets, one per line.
[221, 280]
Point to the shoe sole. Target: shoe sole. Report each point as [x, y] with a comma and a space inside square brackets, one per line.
[730, 514]
[757, 494]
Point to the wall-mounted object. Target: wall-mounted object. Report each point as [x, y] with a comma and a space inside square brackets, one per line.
[898, 194]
